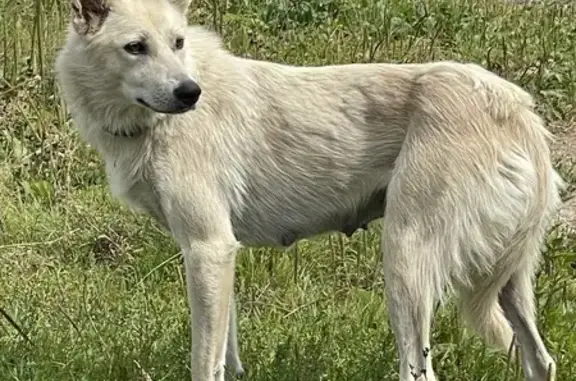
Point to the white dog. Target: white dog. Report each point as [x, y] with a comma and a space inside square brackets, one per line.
[225, 152]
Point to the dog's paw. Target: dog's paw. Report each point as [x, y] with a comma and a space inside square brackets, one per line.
[236, 373]
[551, 374]
[420, 374]
[240, 373]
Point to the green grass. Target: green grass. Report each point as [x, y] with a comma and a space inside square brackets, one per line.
[94, 292]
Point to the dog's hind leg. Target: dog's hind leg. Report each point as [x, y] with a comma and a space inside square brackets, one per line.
[411, 290]
[517, 301]
[502, 304]
[410, 299]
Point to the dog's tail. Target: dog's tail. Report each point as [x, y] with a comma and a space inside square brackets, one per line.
[482, 312]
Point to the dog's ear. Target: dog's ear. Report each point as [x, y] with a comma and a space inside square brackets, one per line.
[183, 5]
[89, 15]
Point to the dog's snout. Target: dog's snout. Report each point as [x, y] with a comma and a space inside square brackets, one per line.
[188, 92]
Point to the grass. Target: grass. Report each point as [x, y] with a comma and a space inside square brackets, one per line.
[91, 291]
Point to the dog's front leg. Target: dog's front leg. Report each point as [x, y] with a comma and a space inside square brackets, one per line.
[232, 356]
[209, 275]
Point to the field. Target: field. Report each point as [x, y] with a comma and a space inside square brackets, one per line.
[91, 291]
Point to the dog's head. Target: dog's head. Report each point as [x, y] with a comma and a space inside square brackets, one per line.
[139, 47]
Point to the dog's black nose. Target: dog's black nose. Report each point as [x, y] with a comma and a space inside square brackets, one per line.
[188, 92]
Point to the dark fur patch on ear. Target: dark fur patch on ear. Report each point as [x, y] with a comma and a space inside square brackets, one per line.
[93, 13]
[96, 7]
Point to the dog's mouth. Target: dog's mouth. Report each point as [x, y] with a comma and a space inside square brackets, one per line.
[180, 109]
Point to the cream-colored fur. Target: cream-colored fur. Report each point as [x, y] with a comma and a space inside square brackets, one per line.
[451, 154]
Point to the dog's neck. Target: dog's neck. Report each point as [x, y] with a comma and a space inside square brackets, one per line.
[131, 133]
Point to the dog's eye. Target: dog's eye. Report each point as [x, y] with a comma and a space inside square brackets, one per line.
[136, 48]
[179, 43]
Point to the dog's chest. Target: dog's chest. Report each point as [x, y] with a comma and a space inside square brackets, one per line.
[122, 179]
[128, 183]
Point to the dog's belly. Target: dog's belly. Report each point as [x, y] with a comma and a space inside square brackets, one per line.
[281, 230]
[345, 221]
